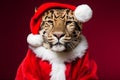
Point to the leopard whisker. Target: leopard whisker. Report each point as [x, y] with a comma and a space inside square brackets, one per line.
[70, 45]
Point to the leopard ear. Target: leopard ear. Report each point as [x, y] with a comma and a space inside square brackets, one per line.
[83, 13]
[36, 9]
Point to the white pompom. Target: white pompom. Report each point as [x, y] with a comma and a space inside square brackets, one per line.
[83, 13]
[35, 40]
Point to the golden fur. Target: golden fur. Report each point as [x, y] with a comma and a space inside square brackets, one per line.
[61, 30]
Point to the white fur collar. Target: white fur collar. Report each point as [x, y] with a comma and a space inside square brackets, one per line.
[51, 56]
[57, 59]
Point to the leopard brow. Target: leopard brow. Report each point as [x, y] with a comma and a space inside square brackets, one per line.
[67, 11]
[70, 17]
[55, 15]
[49, 16]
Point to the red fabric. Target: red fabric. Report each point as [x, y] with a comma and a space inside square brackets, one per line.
[36, 19]
[33, 68]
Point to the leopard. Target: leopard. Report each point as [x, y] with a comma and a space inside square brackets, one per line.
[61, 30]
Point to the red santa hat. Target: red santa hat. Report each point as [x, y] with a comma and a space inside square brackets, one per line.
[83, 13]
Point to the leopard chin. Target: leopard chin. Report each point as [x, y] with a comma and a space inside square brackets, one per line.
[58, 48]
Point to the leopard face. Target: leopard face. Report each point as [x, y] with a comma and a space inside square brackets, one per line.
[61, 30]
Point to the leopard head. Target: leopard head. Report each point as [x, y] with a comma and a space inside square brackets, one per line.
[60, 29]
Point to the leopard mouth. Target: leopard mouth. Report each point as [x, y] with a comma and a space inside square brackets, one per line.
[58, 43]
[58, 47]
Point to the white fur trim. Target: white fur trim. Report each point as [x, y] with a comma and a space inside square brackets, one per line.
[58, 71]
[34, 40]
[58, 48]
[57, 59]
[83, 13]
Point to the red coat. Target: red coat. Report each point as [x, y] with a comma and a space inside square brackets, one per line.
[33, 68]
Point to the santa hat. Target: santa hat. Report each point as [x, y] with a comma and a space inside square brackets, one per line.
[83, 13]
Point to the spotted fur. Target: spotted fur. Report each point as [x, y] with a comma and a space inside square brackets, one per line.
[61, 30]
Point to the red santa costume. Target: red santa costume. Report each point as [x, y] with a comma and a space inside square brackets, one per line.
[43, 64]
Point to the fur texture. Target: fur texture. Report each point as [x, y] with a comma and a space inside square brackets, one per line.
[83, 13]
[59, 29]
[35, 40]
[57, 59]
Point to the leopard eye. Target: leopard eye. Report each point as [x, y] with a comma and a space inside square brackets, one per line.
[50, 21]
[44, 32]
[68, 22]
[74, 32]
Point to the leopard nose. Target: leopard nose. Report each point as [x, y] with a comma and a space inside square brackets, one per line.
[58, 34]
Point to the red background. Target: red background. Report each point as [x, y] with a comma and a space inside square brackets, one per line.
[102, 32]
